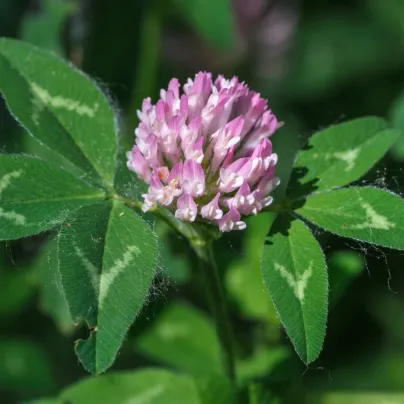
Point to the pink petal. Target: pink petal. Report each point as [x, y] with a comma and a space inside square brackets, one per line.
[186, 209]
[211, 211]
[137, 163]
[174, 87]
[231, 221]
[176, 173]
[193, 178]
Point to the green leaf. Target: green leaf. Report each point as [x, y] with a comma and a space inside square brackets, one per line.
[184, 338]
[52, 299]
[149, 386]
[363, 213]
[36, 196]
[295, 273]
[341, 154]
[107, 259]
[356, 398]
[212, 19]
[59, 106]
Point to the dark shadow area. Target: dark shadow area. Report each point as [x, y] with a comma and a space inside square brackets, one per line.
[282, 225]
[298, 188]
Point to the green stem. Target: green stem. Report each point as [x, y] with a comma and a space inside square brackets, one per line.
[218, 306]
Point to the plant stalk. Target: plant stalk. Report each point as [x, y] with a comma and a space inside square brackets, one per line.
[218, 306]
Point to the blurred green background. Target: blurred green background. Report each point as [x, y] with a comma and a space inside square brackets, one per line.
[318, 62]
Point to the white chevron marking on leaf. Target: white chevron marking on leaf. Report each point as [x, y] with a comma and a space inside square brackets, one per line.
[18, 219]
[108, 277]
[349, 156]
[6, 179]
[43, 98]
[91, 269]
[298, 285]
[374, 220]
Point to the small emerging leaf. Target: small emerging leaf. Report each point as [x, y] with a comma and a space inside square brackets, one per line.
[36, 196]
[363, 213]
[107, 257]
[295, 273]
[341, 154]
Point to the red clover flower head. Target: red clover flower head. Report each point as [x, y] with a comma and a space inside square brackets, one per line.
[206, 152]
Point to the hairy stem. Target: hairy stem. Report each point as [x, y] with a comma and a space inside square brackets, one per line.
[218, 306]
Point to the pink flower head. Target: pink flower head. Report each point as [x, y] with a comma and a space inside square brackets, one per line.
[205, 152]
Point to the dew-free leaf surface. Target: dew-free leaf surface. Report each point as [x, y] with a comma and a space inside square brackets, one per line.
[295, 273]
[36, 196]
[341, 154]
[362, 213]
[59, 106]
[107, 260]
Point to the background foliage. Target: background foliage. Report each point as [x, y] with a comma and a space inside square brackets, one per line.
[318, 62]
